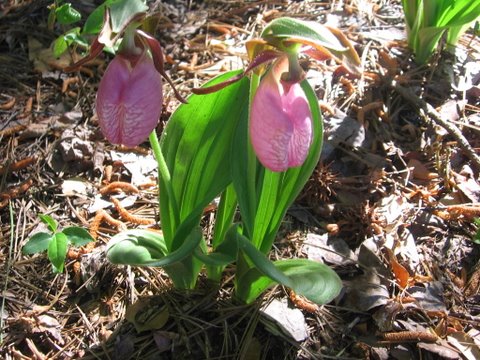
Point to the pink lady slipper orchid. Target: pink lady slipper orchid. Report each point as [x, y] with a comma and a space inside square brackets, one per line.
[130, 95]
[129, 99]
[280, 121]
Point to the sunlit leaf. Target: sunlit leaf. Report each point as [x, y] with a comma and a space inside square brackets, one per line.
[94, 22]
[193, 144]
[49, 221]
[57, 251]
[37, 243]
[66, 14]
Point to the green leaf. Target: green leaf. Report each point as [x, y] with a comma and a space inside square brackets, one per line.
[49, 221]
[261, 262]
[136, 247]
[94, 22]
[316, 281]
[72, 36]
[256, 273]
[194, 144]
[214, 259]
[225, 253]
[122, 12]
[328, 41]
[59, 46]
[224, 215]
[77, 236]
[428, 20]
[286, 28]
[37, 243]
[147, 248]
[66, 14]
[57, 251]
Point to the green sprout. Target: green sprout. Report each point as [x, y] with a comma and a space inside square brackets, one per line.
[56, 242]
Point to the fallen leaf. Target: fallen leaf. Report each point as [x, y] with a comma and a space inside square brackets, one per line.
[75, 187]
[401, 274]
[366, 292]
[465, 344]
[320, 248]
[420, 171]
[290, 321]
[148, 313]
[429, 296]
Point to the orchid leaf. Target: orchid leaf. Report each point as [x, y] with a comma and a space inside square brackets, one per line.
[122, 12]
[136, 247]
[314, 280]
[284, 32]
[147, 248]
[224, 216]
[193, 144]
[428, 20]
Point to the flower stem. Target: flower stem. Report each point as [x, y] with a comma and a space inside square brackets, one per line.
[164, 175]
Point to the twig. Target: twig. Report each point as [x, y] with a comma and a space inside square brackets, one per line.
[124, 214]
[435, 116]
[409, 336]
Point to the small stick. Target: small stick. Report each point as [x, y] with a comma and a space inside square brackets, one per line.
[409, 336]
[125, 214]
[8, 105]
[12, 130]
[102, 215]
[302, 303]
[18, 165]
[14, 192]
[119, 185]
[435, 116]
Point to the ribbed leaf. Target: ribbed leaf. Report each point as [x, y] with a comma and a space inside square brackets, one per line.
[194, 144]
[315, 281]
[57, 251]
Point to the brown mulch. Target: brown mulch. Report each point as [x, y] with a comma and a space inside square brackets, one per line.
[390, 206]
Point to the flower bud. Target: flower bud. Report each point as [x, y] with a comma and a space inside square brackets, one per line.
[129, 100]
[280, 121]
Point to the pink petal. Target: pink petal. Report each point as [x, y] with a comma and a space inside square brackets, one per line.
[280, 124]
[129, 100]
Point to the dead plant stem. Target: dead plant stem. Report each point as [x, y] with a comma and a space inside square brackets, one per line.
[431, 113]
[9, 263]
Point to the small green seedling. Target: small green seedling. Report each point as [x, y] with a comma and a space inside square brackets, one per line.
[56, 242]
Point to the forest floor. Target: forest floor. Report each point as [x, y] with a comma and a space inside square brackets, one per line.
[390, 207]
